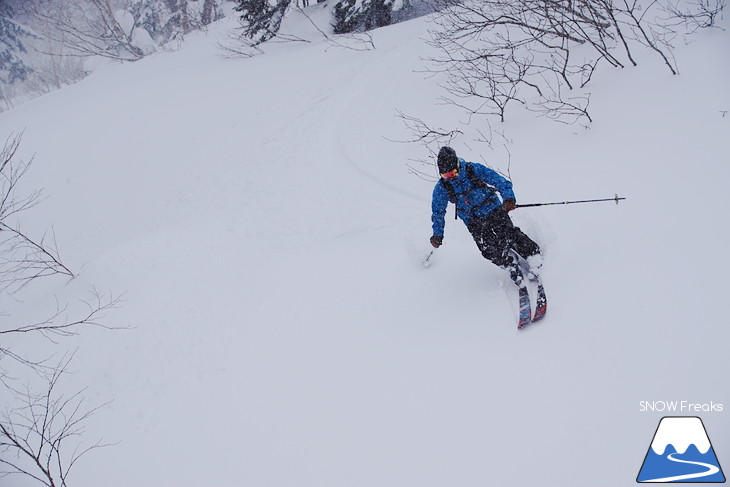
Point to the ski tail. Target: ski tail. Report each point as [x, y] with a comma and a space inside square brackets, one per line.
[531, 267]
[541, 305]
[525, 308]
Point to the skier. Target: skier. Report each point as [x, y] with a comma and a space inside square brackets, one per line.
[472, 188]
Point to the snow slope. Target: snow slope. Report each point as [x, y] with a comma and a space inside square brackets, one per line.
[283, 333]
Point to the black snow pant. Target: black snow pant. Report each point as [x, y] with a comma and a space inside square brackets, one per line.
[496, 235]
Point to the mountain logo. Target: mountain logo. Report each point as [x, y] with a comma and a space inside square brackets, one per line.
[681, 452]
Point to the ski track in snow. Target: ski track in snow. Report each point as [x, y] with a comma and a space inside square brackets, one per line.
[359, 101]
[711, 470]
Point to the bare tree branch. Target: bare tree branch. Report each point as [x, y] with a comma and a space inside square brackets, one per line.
[86, 27]
[40, 433]
[497, 54]
[423, 133]
[41, 438]
[22, 258]
[351, 41]
[61, 325]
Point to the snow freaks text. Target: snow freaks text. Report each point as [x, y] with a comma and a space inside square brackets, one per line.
[680, 407]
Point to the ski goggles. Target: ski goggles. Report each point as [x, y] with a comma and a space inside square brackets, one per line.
[451, 174]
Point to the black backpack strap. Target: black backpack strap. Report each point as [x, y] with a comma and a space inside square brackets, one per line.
[452, 195]
[478, 183]
[475, 183]
[449, 189]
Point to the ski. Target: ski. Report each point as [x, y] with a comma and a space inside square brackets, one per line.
[541, 305]
[525, 309]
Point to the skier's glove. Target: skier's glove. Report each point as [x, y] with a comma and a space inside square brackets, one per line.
[436, 241]
[509, 205]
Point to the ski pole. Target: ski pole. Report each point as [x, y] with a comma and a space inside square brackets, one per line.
[427, 261]
[615, 198]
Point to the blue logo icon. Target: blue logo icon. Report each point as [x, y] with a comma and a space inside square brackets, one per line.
[681, 452]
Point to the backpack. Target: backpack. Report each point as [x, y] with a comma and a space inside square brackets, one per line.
[475, 183]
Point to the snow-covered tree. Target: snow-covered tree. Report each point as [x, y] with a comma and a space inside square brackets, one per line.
[167, 20]
[261, 18]
[13, 69]
[345, 16]
[43, 43]
[87, 27]
[356, 16]
[376, 13]
[120, 29]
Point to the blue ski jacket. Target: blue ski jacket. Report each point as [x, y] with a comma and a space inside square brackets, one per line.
[471, 201]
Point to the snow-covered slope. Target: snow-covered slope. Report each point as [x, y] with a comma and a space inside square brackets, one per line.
[268, 236]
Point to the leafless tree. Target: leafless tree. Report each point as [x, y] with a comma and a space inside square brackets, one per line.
[41, 438]
[423, 133]
[432, 138]
[85, 28]
[699, 14]
[240, 45]
[542, 54]
[22, 258]
[206, 16]
[40, 433]
[60, 324]
[362, 41]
